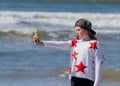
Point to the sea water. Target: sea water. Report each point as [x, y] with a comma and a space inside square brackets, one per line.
[21, 58]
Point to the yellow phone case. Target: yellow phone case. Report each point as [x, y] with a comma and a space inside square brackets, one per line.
[36, 35]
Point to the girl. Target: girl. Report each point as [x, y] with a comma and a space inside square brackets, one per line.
[86, 57]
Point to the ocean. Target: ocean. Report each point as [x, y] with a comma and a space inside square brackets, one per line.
[21, 58]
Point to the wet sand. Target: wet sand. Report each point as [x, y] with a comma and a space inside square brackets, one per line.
[45, 82]
[109, 78]
[113, 76]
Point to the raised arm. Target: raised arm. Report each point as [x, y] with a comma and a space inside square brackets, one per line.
[66, 45]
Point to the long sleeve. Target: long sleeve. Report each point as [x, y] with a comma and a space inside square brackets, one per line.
[98, 74]
[66, 45]
[98, 66]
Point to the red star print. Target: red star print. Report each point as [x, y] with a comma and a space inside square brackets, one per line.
[81, 67]
[93, 45]
[74, 42]
[75, 55]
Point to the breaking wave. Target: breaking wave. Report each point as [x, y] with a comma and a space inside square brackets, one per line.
[58, 34]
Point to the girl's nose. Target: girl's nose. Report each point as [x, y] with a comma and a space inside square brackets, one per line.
[77, 32]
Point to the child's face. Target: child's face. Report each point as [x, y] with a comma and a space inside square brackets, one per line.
[80, 32]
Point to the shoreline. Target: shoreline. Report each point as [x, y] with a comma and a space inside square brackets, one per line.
[57, 78]
[107, 75]
[51, 81]
[113, 76]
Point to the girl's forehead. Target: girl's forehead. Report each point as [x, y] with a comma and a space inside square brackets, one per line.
[77, 27]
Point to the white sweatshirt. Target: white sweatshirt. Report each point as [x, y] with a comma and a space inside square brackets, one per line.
[85, 58]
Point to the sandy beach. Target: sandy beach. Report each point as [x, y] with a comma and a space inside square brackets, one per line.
[113, 76]
[46, 82]
[56, 78]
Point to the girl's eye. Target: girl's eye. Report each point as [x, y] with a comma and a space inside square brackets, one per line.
[78, 30]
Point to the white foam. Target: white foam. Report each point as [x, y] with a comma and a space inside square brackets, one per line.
[18, 30]
[99, 20]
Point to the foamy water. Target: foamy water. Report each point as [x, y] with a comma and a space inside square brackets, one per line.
[43, 20]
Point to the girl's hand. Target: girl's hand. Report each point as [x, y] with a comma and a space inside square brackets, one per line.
[38, 42]
[36, 39]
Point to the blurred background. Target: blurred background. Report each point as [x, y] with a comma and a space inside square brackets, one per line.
[21, 61]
